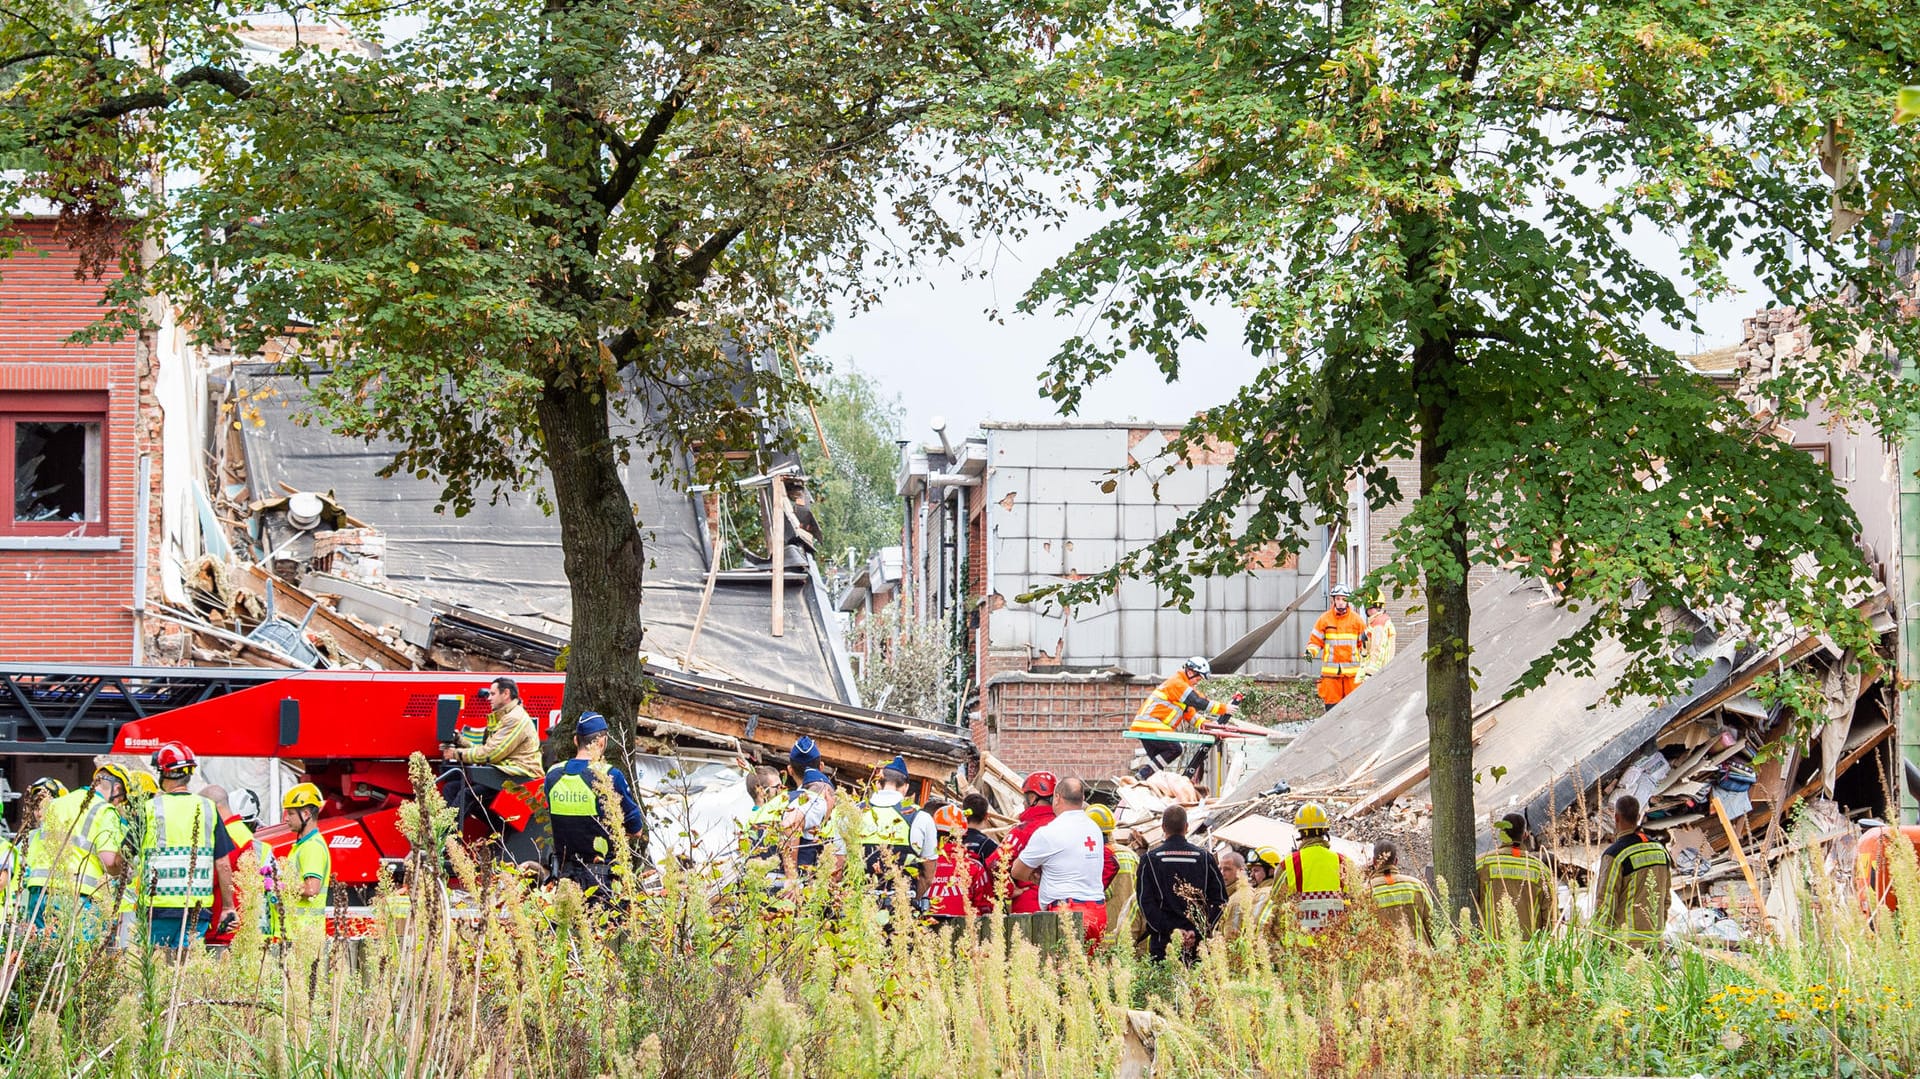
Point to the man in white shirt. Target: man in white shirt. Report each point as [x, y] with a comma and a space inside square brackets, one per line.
[1068, 857]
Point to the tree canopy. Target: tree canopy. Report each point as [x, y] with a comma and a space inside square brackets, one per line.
[853, 479]
[531, 236]
[1457, 231]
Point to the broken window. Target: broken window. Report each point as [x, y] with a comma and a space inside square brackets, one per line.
[57, 459]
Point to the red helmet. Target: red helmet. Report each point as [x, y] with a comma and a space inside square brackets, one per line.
[174, 759]
[1040, 783]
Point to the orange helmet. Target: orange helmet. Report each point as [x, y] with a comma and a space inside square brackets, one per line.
[950, 818]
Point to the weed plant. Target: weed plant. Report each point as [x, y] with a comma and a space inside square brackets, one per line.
[699, 976]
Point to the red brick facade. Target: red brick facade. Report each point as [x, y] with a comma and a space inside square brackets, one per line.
[1069, 725]
[72, 605]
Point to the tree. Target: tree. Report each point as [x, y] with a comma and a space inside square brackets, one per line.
[535, 236]
[853, 490]
[1435, 219]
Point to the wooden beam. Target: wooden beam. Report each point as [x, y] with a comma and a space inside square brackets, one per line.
[777, 532]
[1411, 778]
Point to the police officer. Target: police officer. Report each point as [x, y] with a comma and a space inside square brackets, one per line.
[184, 849]
[896, 835]
[582, 844]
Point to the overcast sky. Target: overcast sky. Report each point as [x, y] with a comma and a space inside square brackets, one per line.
[934, 345]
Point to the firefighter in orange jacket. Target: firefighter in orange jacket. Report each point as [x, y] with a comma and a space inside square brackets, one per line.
[1339, 640]
[1176, 705]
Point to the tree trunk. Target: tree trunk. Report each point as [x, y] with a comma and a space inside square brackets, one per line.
[604, 561]
[1449, 673]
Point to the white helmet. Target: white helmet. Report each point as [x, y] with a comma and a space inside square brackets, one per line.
[1199, 666]
[1341, 590]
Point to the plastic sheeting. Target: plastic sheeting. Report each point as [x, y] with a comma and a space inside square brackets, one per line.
[504, 558]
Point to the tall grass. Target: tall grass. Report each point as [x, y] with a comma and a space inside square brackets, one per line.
[690, 977]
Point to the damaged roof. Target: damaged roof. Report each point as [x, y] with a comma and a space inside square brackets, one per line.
[505, 557]
[1534, 754]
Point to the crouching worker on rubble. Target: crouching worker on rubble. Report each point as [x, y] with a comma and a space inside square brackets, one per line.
[582, 842]
[509, 751]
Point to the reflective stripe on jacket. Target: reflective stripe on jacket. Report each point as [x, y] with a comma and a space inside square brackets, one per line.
[1174, 704]
[78, 827]
[1632, 898]
[177, 850]
[886, 834]
[1338, 639]
[1313, 879]
[1510, 877]
[311, 859]
[1405, 903]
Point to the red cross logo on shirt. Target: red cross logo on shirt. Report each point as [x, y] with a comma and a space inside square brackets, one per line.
[1090, 844]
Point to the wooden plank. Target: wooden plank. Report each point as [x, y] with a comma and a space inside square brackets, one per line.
[1740, 855]
[777, 531]
[1411, 778]
[354, 642]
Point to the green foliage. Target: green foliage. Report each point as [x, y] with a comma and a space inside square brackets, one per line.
[913, 670]
[853, 492]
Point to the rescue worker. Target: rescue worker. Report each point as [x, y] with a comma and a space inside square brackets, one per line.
[1338, 641]
[184, 852]
[974, 805]
[1314, 880]
[12, 879]
[309, 870]
[1177, 706]
[1382, 640]
[227, 909]
[958, 886]
[760, 838]
[1636, 874]
[1236, 918]
[1037, 790]
[1263, 865]
[1516, 889]
[896, 836]
[1180, 892]
[1126, 867]
[36, 858]
[1068, 858]
[139, 799]
[582, 843]
[83, 831]
[1403, 902]
[510, 747]
[803, 756]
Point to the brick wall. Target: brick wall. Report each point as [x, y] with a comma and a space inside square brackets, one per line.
[1069, 726]
[71, 606]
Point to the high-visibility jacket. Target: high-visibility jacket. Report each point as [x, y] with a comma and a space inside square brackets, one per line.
[311, 861]
[1382, 640]
[1120, 888]
[573, 806]
[177, 851]
[1174, 705]
[244, 841]
[12, 860]
[1314, 881]
[77, 828]
[37, 858]
[886, 837]
[1636, 874]
[1404, 903]
[1509, 877]
[760, 840]
[1340, 641]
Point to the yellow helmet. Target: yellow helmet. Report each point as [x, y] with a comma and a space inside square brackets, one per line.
[117, 773]
[302, 796]
[1311, 818]
[1103, 816]
[1267, 856]
[145, 785]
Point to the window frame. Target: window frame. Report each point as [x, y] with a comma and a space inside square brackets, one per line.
[36, 406]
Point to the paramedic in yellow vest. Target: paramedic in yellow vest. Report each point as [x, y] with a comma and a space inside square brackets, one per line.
[83, 831]
[183, 855]
[1314, 881]
[36, 858]
[1176, 705]
[307, 872]
[1339, 642]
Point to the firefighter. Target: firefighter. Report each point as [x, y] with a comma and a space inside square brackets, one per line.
[1382, 640]
[83, 831]
[896, 835]
[1037, 790]
[36, 858]
[1404, 902]
[310, 864]
[184, 846]
[1263, 867]
[1515, 888]
[1339, 641]
[1176, 706]
[1314, 880]
[1236, 918]
[1636, 873]
[582, 844]
[1124, 863]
